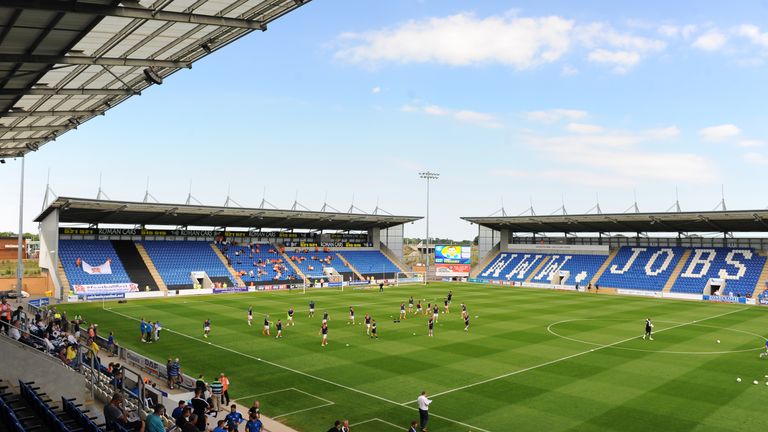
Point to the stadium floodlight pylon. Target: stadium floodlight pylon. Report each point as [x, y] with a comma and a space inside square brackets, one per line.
[379, 210]
[327, 206]
[191, 197]
[634, 208]
[352, 207]
[418, 278]
[676, 205]
[502, 211]
[561, 209]
[147, 195]
[721, 205]
[101, 194]
[50, 195]
[229, 199]
[596, 208]
[529, 211]
[264, 201]
[297, 205]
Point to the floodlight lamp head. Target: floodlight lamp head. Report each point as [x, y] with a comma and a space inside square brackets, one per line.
[152, 76]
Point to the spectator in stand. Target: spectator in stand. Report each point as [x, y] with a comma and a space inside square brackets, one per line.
[234, 419]
[114, 414]
[254, 424]
[18, 314]
[15, 332]
[199, 409]
[220, 427]
[216, 392]
[5, 315]
[191, 424]
[225, 387]
[184, 417]
[155, 420]
[174, 373]
[178, 411]
[254, 409]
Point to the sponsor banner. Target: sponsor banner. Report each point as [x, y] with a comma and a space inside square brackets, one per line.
[452, 270]
[764, 300]
[410, 280]
[559, 248]
[78, 231]
[358, 283]
[644, 293]
[105, 268]
[334, 284]
[452, 254]
[479, 280]
[272, 287]
[724, 299]
[108, 296]
[105, 288]
[43, 301]
[682, 296]
[229, 290]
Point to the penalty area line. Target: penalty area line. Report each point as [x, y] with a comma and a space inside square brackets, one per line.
[352, 389]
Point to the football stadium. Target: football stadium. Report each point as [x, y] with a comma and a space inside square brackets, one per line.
[174, 315]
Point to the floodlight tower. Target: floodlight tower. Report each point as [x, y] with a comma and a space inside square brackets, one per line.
[428, 175]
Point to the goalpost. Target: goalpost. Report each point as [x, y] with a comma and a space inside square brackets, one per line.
[411, 278]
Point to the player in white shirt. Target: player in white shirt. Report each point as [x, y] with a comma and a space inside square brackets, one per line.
[423, 403]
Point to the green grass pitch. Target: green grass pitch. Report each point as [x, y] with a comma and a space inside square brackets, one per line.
[533, 359]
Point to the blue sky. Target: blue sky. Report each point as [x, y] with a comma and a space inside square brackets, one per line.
[521, 101]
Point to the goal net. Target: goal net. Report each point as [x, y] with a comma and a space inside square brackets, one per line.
[411, 278]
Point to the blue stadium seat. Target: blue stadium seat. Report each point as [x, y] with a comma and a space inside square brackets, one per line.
[316, 261]
[370, 262]
[175, 260]
[518, 266]
[243, 257]
[641, 268]
[740, 268]
[94, 252]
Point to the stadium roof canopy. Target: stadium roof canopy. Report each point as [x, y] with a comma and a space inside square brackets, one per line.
[706, 221]
[63, 62]
[91, 211]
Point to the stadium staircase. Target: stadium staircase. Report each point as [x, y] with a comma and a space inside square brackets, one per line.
[232, 272]
[133, 263]
[482, 264]
[537, 269]
[761, 281]
[151, 267]
[391, 256]
[676, 272]
[604, 267]
[293, 265]
[65, 286]
[350, 266]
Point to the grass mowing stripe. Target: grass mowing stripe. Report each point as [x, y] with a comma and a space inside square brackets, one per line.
[509, 374]
[304, 374]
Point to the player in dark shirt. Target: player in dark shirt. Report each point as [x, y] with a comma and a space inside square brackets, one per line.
[431, 325]
[436, 312]
[290, 316]
[410, 304]
[402, 311]
[450, 296]
[311, 308]
[418, 308]
[324, 332]
[466, 322]
[373, 330]
[265, 331]
[279, 328]
[325, 317]
[446, 302]
[250, 315]
[351, 316]
[367, 324]
[463, 310]
[648, 329]
[206, 328]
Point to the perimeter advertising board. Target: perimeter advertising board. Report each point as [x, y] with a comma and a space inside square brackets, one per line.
[452, 260]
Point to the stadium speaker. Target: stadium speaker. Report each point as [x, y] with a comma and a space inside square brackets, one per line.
[152, 77]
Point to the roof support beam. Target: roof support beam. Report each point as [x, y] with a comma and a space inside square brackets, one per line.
[50, 113]
[52, 128]
[90, 61]
[136, 13]
[20, 140]
[66, 92]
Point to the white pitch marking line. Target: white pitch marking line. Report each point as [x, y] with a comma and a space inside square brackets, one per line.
[352, 389]
[597, 348]
[264, 394]
[380, 420]
[311, 395]
[302, 410]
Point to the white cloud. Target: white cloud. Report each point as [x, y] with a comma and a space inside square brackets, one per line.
[712, 40]
[753, 33]
[673, 31]
[555, 115]
[463, 39]
[719, 133]
[663, 133]
[376, 90]
[621, 61]
[750, 143]
[584, 128]
[756, 158]
[569, 70]
[477, 118]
